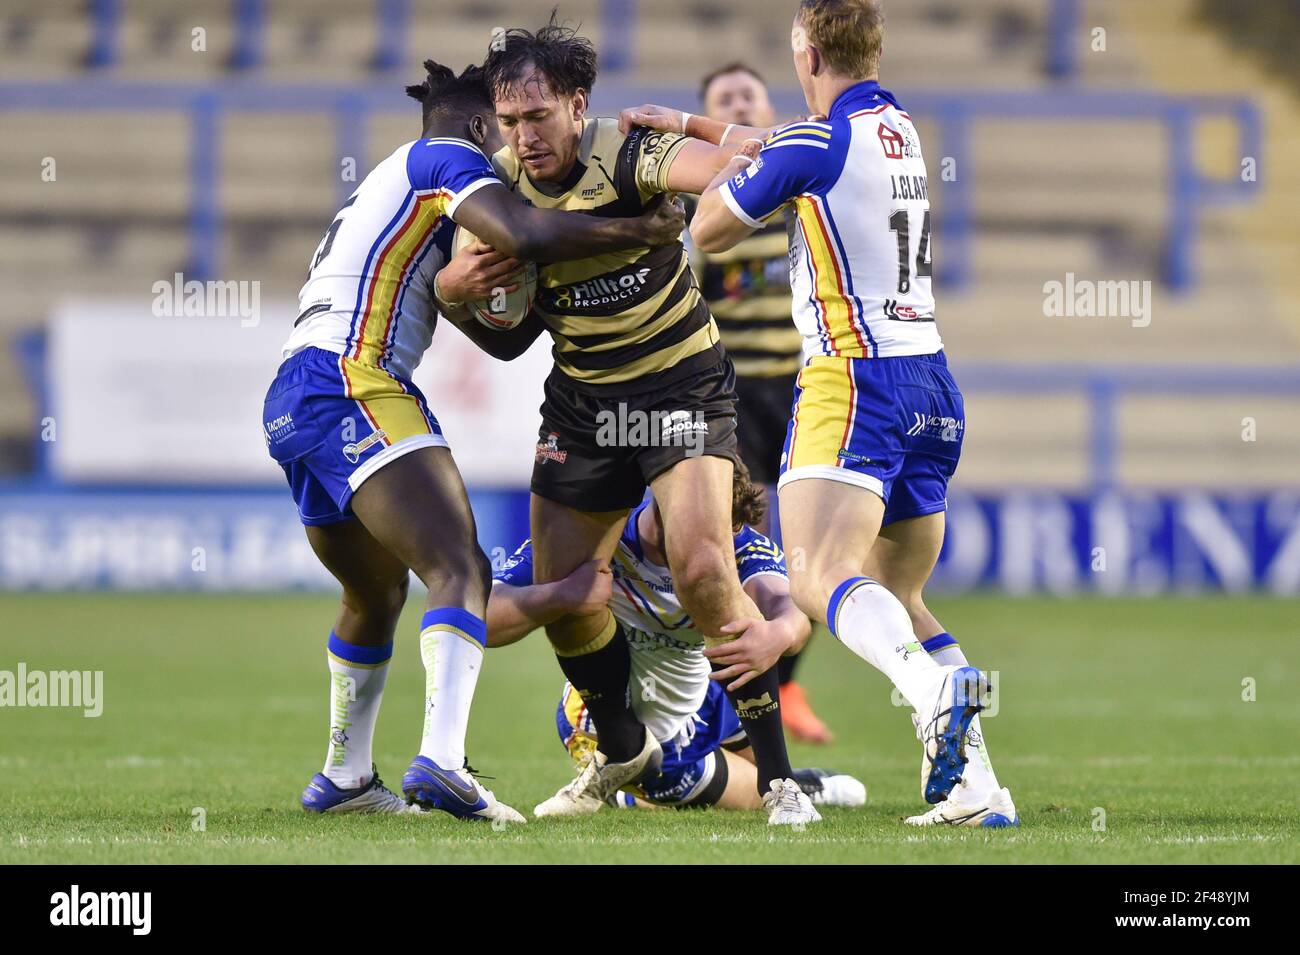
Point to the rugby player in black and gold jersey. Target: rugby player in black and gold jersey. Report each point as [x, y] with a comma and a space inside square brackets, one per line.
[747, 289]
[642, 393]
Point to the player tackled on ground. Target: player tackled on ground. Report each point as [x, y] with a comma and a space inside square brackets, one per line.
[878, 420]
[641, 393]
[707, 758]
[368, 466]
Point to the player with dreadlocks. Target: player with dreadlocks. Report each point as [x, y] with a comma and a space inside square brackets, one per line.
[372, 475]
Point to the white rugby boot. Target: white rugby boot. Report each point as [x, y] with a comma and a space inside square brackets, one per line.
[994, 810]
[788, 805]
[599, 779]
[826, 787]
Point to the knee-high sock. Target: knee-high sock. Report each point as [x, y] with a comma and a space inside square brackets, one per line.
[871, 622]
[357, 677]
[451, 646]
[758, 704]
[979, 775]
[600, 671]
[785, 667]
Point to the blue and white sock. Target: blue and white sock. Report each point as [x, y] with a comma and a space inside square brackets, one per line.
[451, 646]
[357, 677]
[979, 778]
[871, 622]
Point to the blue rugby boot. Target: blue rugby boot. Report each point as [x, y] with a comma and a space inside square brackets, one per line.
[943, 727]
[453, 791]
[321, 795]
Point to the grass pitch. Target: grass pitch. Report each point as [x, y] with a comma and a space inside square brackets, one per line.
[1122, 733]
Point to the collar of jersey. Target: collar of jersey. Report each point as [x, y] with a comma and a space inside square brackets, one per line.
[456, 139]
[859, 95]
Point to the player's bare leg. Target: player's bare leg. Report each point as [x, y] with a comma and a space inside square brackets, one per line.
[903, 559]
[374, 585]
[694, 501]
[416, 507]
[829, 528]
[593, 653]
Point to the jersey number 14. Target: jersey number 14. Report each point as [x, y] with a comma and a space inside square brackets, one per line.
[899, 223]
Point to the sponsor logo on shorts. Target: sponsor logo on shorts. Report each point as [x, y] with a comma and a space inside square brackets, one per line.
[943, 427]
[354, 451]
[549, 450]
[625, 427]
[277, 429]
[844, 454]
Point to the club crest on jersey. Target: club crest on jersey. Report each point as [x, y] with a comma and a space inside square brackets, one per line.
[354, 450]
[549, 450]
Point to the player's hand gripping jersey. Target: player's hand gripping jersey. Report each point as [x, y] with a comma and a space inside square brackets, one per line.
[342, 404]
[860, 247]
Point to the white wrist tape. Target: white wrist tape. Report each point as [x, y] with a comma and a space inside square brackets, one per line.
[686, 121]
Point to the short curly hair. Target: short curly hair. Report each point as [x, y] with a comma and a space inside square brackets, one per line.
[748, 503]
[567, 61]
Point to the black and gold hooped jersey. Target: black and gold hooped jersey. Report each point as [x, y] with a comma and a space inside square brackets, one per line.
[747, 289]
[623, 322]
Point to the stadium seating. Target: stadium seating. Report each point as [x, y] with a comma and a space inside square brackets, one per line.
[1049, 197]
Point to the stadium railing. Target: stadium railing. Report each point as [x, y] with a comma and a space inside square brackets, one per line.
[1102, 387]
[617, 17]
[1188, 189]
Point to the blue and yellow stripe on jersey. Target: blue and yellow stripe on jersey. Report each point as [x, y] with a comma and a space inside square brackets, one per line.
[388, 269]
[839, 311]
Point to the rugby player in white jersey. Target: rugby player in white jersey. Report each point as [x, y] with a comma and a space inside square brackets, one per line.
[633, 342]
[878, 420]
[369, 469]
[708, 760]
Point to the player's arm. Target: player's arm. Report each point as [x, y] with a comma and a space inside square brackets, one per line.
[771, 594]
[756, 649]
[796, 160]
[665, 119]
[504, 344]
[715, 227]
[499, 218]
[514, 611]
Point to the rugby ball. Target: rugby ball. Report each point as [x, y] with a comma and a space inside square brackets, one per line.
[503, 310]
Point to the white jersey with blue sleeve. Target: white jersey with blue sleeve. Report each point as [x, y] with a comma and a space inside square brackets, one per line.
[369, 290]
[860, 261]
[670, 673]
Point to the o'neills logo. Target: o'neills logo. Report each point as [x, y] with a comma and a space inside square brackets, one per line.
[549, 450]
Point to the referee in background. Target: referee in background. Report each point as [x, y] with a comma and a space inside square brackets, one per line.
[748, 292]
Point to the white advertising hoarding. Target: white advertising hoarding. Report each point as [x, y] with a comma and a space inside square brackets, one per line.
[138, 398]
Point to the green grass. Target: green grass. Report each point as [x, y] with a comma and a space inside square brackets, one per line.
[1131, 707]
